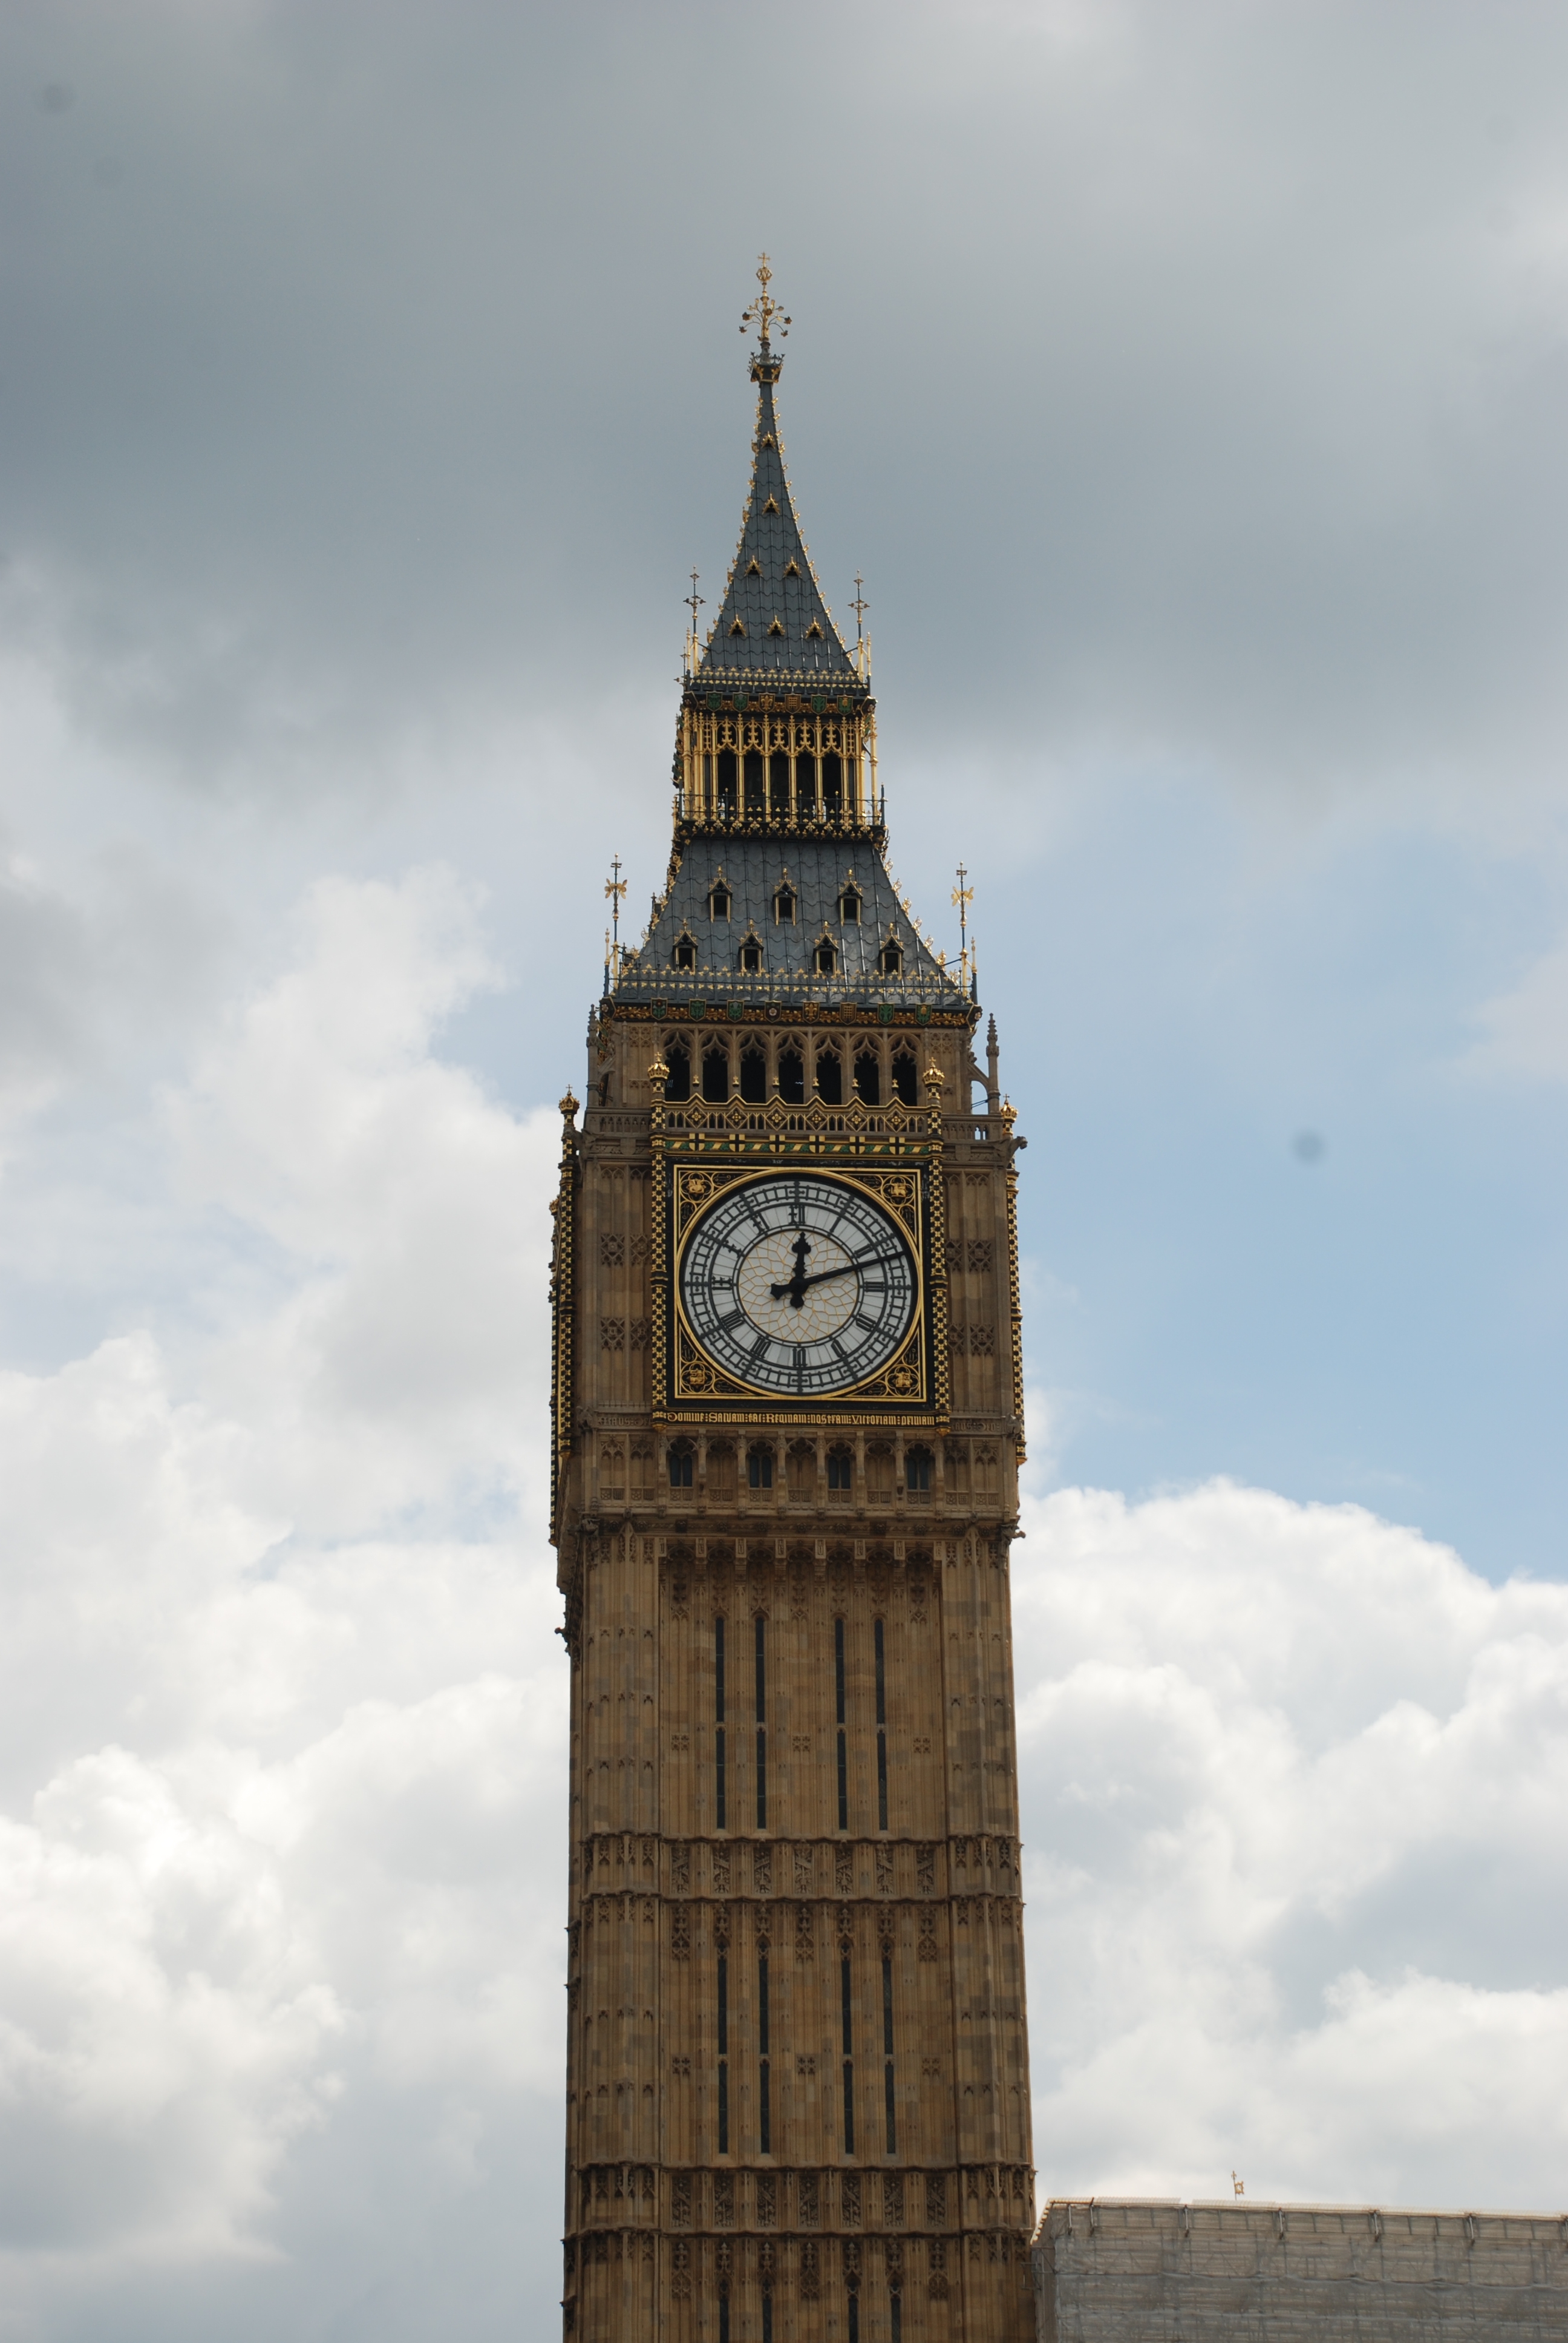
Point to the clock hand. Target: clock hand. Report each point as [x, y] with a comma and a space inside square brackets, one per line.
[798, 1283]
[796, 1286]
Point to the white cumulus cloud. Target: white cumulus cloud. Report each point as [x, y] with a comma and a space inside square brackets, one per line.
[1293, 1780]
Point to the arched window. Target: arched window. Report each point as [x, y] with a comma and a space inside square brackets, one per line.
[805, 788]
[760, 1468]
[716, 1074]
[779, 786]
[893, 959]
[904, 1078]
[677, 1058]
[784, 906]
[752, 775]
[719, 900]
[918, 1463]
[840, 1468]
[753, 1074]
[830, 1077]
[727, 783]
[685, 952]
[824, 958]
[751, 957]
[832, 786]
[681, 1457]
[791, 1076]
[849, 907]
[868, 1079]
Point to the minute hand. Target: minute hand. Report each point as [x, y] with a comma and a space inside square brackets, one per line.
[820, 1276]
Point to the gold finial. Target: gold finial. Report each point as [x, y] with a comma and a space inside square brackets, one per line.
[963, 897]
[694, 602]
[568, 1106]
[862, 640]
[764, 311]
[659, 1071]
[615, 887]
[1239, 2186]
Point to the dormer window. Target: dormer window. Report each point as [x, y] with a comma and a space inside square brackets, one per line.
[792, 569]
[777, 628]
[766, 439]
[719, 900]
[751, 957]
[737, 625]
[849, 908]
[754, 568]
[784, 907]
[824, 958]
[813, 632]
[685, 952]
[892, 958]
[771, 505]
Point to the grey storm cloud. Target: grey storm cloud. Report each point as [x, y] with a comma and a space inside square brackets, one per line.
[1187, 384]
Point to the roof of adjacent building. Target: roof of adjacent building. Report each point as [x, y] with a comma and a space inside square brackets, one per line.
[754, 870]
[773, 623]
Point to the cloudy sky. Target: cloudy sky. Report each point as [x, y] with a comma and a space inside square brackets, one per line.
[1190, 386]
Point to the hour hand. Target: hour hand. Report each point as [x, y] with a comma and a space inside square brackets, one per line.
[796, 1284]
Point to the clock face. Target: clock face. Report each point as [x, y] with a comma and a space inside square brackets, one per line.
[797, 1284]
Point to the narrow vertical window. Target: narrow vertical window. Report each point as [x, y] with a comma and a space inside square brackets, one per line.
[843, 1751]
[768, 2321]
[764, 2109]
[724, 2320]
[718, 1724]
[881, 1734]
[887, 2053]
[854, 2331]
[894, 2323]
[723, 2054]
[762, 1723]
[848, 2056]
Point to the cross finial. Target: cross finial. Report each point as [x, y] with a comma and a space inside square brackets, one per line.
[615, 887]
[859, 607]
[693, 601]
[764, 311]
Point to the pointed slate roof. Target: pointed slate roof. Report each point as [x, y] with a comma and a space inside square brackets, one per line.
[816, 873]
[773, 621]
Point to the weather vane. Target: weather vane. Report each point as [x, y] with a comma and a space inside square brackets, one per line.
[859, 607]
[764, 311]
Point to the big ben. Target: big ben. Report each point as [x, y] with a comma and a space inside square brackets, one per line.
[788, 1422]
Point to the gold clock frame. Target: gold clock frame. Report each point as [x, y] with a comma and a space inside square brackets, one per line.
[903, 1379]
[854, 1144]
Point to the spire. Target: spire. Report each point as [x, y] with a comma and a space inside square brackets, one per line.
[773, 623]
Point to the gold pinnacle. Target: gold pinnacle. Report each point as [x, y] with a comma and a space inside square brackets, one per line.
[764, 311]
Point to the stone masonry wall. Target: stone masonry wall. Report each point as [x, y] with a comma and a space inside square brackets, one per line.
[1129, 2270]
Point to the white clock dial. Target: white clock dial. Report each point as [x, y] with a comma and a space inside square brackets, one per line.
[797, 1284]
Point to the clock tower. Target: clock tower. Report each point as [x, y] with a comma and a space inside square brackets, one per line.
[787, 1420]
